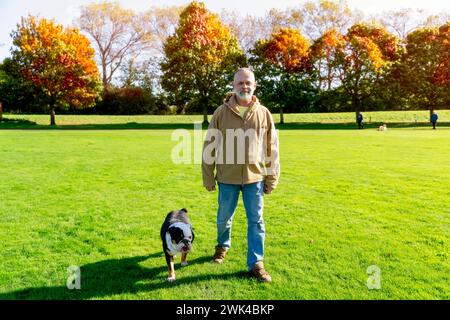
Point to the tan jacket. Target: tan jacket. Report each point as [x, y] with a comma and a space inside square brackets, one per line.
[241, 150]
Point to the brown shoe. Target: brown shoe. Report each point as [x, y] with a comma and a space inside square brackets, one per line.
[220, 254]
[260, 273]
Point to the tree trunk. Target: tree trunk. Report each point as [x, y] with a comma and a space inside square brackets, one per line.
[1, 111]
[52, 117]
[330, 79]
[281, 116]
[104, 78]
[205, 110]
[431, 113]
[356, 106]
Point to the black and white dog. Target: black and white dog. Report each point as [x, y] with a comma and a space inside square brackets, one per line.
[177, 236]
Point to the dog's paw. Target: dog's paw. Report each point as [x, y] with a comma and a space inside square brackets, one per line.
[171, 279]
[184, 263]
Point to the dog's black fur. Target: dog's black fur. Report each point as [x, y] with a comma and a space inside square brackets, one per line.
[177, 235]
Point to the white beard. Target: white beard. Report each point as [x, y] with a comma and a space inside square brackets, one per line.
[246, 96]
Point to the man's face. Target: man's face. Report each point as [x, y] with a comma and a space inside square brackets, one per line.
[244, 85]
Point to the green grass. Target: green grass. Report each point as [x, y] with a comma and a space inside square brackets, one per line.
[347, 199]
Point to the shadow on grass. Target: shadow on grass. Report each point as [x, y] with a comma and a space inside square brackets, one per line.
[116, 276]
[28, 125]
[12, 124]
[352, 126]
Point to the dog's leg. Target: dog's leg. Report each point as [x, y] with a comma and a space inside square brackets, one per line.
[170, 264]
[184, 259]
[171, 277]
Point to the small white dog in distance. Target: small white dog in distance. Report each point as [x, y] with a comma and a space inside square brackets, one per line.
[382, 128]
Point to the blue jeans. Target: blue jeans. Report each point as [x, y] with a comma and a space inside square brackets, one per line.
[252, 195]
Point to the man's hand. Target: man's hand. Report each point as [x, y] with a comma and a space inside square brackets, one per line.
[211, 188]
[267, 189]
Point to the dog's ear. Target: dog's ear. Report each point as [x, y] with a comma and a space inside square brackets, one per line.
[184, 209]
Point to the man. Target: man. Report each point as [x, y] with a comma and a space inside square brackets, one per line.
[434, 119]
[359, 119]
[251, 165]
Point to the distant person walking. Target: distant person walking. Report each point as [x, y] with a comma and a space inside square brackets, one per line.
[359, 119]
[433, 119]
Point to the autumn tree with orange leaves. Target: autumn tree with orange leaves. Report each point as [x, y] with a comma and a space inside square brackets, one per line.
[200, 60]
[323, 56]
[57, 61]
[281, 64]
[362, 59]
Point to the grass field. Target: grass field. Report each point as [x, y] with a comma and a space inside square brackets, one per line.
[347, 200]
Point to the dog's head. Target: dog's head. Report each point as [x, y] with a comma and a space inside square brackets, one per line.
[181, 236]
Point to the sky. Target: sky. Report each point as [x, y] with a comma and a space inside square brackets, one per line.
[64, 11]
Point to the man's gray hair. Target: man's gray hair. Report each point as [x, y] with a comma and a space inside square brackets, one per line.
[243, 70]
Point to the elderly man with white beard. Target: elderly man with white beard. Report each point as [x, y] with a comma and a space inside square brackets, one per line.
[237, 168]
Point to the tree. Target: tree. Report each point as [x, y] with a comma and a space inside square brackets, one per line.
[129, 100]
[323, 56]
[423, 72]
[366, 55]
[400, 22]
[246, 29]
[58, 62]
[116, 32]
[436, 20]
[280, 65]
[3, 80]
[200, 59]
[404, 21]
[144, 74]
[324, 15]
[143, 68]
[18, 93]
[162, 22]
